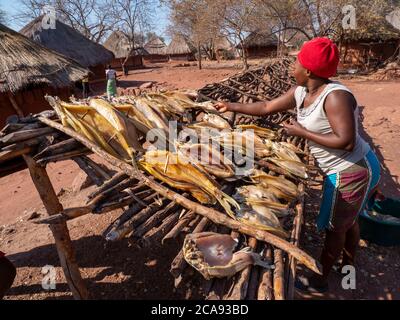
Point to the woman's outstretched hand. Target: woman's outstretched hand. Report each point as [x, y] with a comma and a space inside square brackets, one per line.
[293, 128]
[223, 106]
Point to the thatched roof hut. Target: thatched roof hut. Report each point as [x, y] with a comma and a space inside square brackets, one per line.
[119, 44]
[373, 42]
[70, 43]
[260, 44]
[157, 50]
[28, 71]
[181, 49]
[156, 46]
[224, 48]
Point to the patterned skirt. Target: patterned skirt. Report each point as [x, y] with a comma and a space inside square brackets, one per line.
[346, 193]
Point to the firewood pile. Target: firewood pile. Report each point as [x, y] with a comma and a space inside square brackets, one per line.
[158, 206]
[256, 84]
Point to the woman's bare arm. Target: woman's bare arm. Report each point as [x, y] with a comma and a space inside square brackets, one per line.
[283, 103]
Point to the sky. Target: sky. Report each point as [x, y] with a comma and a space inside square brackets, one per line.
[12, 7]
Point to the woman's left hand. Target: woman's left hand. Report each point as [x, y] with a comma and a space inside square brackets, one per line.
[293, 128]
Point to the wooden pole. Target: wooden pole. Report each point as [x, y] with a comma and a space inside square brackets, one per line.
[15, 105]
[60, 231]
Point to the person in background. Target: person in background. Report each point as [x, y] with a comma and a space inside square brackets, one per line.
[85, 87]
[111, 76]
[327, 116]
[7, 274]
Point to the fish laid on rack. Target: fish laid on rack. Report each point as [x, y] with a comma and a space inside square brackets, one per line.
[213, 255]
[209, 158]
[182, 173]
[102, 124]
[287, 189]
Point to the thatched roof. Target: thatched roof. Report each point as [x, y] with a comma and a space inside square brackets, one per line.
[260, 39]
[156, 46]
[372, 30]
[222, 43]
[25, 63]
[119, 44]
[69, 42]
[180, 45]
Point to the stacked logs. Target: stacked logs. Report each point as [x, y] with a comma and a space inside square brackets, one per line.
[257, 84]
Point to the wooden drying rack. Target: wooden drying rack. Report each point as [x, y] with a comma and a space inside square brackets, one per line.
[40, 140]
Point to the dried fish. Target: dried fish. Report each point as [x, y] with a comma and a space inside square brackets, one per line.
[212, 255]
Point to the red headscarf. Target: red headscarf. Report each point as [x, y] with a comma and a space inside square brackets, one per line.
[320, 56]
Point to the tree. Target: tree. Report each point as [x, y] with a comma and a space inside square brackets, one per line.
[133, 18]
[90, 17]
[204, 21]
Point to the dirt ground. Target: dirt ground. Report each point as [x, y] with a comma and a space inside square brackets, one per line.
[123, 271]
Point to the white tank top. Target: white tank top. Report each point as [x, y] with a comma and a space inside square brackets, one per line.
[314, 119]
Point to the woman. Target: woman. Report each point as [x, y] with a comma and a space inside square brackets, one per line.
[111, 76]
[327, 116]
[7, 274]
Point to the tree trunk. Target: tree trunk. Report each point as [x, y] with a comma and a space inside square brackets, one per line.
[199, 54]
[244, 56]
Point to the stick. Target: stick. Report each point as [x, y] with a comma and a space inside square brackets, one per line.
[128, 214]
[76, 212]
[119, 177]
[103, 174]
[239, 291]
[154, 220]
[24, 135]
[299, 220]
[158, 233]
[279, 284]
[64, 156]
[60, 147]
[60, 231]
[11, 154]
[212, 214]
[15, 105]
[182, 223]
[265, 289]
[115, 189]
[137, 220]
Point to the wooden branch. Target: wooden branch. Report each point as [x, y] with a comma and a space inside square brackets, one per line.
[298, 222]
[100, 172]
[11, 154]
[155, 235]
[239, 291]
[63, 156]
[128, 214]
[182, 223]
[265, 289]
[60, 147]
[115, 189]
[18, 136]
[212, 214]
[154, 220]
[15, 105]
[119, 177]
[60, 231]
[73, 213]
[279, 272]
[90, 172]
[136, 221]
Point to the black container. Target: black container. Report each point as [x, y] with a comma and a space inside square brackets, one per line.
[383, 233]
